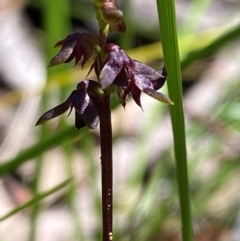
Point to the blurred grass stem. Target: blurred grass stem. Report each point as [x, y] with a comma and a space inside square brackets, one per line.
[168, 30]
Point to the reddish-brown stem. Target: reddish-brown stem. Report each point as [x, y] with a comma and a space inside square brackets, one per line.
[106, 162]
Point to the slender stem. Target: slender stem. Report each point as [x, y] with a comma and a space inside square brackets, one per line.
[106, 142]
[103, 27]
[106, 161]
[167, 19]
[102, 38]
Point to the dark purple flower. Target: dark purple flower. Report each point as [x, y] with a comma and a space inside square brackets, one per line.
[78, 45]
[82, 100]
[114, 66]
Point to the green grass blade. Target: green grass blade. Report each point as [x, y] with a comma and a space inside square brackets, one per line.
[212, 47]
[167, 19]
[58, 138]
[37, 198]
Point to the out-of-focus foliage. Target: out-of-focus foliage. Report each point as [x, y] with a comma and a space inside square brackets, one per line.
[146, 200]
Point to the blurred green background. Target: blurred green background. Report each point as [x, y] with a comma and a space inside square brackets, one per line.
[50, 175]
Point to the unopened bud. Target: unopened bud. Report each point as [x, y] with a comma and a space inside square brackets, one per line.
[113, 16]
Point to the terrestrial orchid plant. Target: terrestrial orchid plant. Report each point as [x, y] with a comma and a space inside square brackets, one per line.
[116, 72]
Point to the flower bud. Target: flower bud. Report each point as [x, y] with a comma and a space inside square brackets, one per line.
[114, 17]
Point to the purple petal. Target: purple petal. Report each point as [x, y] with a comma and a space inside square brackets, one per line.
[85, 108]
[76, 96]
[158, 96]
[141, 82]
[56, 111]
[89, 38]
[89, 113]
[136, 93]
[158, 83]
[79, 122]
[164, 72]
[69, 44]
[90, 117]
[61, 57]
[75, 46]
[145, 70]
[132, 90]
[147, 87]
[87, 52]
[83, 85]
[91, 87]
[71, 57]
[111, 69]
[59, 43]
[121, 80]
[78, 53]
[81, 101]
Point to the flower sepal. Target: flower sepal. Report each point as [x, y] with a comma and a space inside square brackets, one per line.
[79, 45]
[83, 101]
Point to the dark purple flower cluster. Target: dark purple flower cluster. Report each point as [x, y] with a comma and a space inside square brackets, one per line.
[114, 69]
[129, 76]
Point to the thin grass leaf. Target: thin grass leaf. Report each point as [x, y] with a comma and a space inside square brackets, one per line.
[51, 141]
[212, 47]
[168, 29]
[36, 199]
